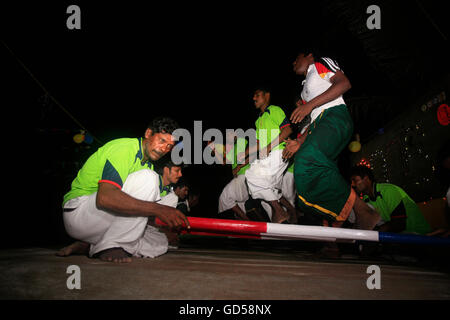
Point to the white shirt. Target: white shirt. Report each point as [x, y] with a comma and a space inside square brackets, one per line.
[317, 81]
[170, 199]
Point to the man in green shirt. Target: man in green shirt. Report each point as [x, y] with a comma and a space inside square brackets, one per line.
[398, 211]
[235, 193]
[113, 195]
[265, 175]
[169, 175]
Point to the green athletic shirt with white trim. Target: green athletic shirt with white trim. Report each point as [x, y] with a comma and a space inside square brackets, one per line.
[112, 164]
[392, 202]
[269, 125]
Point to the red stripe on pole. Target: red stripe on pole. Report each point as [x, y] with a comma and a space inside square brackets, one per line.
[224, 226]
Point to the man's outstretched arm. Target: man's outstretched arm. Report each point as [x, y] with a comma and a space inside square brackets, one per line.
[111, 198]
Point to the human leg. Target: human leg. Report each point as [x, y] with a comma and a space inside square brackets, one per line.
[288, 187]
[366, 217]
[78, 247]
[105, 230]
[320, 187]
[290, 210]
[234, 193]
[264, 179]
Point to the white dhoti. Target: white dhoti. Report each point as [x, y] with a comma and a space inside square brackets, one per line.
[265, 176]
[288, 188]
[235, 192]
[104, 230]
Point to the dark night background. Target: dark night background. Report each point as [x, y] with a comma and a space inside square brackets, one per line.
[131, 62]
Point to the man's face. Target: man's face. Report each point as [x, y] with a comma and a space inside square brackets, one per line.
[173, 174]
[157, 145]
[361, 185]
[261, 99]
[301, 64]
[182, 192]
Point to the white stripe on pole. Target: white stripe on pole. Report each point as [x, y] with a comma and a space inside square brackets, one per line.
[295, 237]
[320, 232]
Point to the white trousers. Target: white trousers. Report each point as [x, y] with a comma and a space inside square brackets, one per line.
[265, 176]
[235, 192]
[104, 230]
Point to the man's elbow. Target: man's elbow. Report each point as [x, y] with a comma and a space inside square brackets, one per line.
[348, 85]
[101, 201]
[103, 196]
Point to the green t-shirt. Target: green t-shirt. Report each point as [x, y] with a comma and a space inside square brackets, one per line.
[163, 190]
[111, 163]
[392, 202]
[269, 125]
[239, 147]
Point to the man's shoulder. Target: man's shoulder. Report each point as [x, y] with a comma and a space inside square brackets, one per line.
[122, 141]
[274, 107]
[121, 144]
[388, 187]
[276, 111]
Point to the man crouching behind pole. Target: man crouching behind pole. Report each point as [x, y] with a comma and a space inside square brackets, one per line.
[113, 195]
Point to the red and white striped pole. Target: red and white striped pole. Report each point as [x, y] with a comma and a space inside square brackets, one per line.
[267, 230]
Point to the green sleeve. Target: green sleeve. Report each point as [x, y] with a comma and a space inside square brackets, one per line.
[117, 165]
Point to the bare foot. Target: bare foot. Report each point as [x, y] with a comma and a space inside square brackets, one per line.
[117, 255]
[278, 214]
[290, 210]
[78, 247]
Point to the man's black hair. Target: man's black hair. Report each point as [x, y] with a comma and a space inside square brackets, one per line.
[163, 125]
[317, 53]
[262, 88]
[362, 171]
[182, 182]
[165, 161]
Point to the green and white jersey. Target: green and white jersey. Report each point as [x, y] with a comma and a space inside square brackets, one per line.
[112, 164]
[269, 125]
[392, 202]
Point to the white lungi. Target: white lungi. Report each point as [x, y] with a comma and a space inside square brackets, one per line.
[235, 192]
[265, 176]
[104, 230]
[288, 188]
